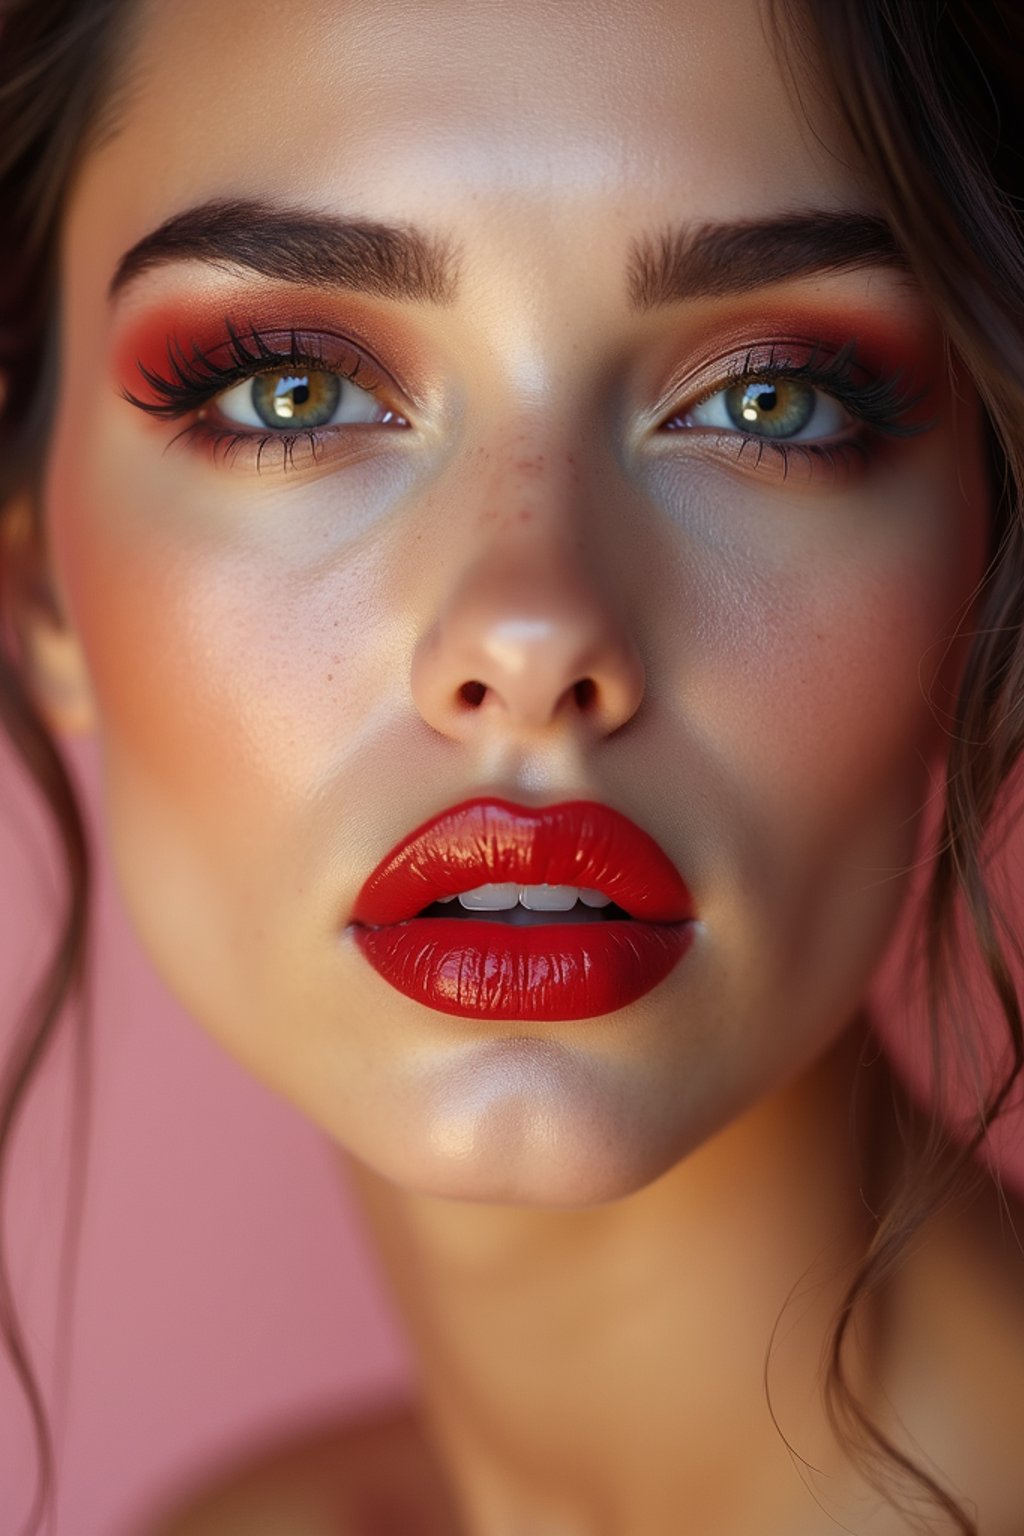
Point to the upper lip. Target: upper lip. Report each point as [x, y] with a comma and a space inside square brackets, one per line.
[489, 841]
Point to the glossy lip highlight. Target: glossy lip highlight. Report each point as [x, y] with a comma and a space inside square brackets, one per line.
[493, 970]
[484, 841]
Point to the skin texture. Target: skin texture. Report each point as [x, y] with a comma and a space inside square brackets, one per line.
[603, 1217]
[756, 645]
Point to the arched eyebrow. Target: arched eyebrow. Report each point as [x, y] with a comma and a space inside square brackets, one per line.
[699, 261]
[690, 261]
[299, 246]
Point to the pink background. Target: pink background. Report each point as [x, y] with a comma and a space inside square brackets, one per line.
[224, 1293]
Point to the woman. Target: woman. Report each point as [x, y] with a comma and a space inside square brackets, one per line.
[553, 471]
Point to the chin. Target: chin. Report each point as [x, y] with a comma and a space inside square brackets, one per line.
[525, 1121]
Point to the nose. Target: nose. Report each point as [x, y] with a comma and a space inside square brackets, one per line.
[531, 634]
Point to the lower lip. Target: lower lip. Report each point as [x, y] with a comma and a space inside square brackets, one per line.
[490, 970]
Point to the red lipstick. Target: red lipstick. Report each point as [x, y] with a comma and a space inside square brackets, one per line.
[491, 969]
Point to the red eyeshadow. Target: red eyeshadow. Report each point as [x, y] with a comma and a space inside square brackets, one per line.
[149, 342]
[884, 341]
[192, 322]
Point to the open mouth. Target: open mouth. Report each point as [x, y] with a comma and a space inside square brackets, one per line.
[528, 880]
[521, 917]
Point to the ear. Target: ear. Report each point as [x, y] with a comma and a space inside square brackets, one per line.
[50, 658]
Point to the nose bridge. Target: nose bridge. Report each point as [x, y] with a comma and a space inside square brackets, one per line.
[533, 626]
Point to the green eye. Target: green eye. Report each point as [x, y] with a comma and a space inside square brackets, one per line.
[777, 408]
[299, 400]
[296, 399]
[772, 407]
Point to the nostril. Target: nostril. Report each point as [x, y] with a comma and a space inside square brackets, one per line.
[584, 692]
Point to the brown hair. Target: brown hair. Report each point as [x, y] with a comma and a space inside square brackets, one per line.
[53, 58]
[930, 96]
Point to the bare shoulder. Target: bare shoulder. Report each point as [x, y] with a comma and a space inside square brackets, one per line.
[360, 1478]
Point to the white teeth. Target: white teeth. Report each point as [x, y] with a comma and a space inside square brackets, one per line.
[490, 898]
[535, 898]
[548, 898]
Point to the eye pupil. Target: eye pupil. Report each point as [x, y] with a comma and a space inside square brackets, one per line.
[757, 399]
[297, 399]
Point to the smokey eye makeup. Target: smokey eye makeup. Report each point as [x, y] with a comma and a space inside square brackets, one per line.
[268, 397]
[267, 393]
[823, 408]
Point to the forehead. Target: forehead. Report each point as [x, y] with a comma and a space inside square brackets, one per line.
[405, 108]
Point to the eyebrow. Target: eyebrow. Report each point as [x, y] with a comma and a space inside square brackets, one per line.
[709, 260]
[299, 246]
[719, 260]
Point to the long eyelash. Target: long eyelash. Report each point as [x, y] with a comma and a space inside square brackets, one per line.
[193, 379]
[882, 403]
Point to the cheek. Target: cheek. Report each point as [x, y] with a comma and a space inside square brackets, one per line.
[840, 697]
[827, 670]
[233, 674]
[845, 731]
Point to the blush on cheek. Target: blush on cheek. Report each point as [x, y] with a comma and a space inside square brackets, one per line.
[128, 592]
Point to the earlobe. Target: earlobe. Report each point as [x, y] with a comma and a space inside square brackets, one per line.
[49, 654]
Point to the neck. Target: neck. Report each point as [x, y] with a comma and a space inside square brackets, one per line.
[601, 1370]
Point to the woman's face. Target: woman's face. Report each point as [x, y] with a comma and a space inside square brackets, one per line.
[557, 464]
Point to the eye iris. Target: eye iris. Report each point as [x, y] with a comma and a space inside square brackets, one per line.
[306, 399]
[771, 407]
